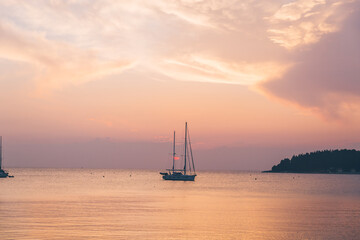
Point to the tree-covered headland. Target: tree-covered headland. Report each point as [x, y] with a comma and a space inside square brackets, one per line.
[327, 161]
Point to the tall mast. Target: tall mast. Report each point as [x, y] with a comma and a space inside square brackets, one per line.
[174, 153]
[192, 158]
[185, 148]
[0, 151]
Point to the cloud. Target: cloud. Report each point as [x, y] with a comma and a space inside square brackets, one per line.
[56, 64]
[295, 10]
[325, 77]
[230, 42]
[72, 42]
[304, 22]
[208, 69]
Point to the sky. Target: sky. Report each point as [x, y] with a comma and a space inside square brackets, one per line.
[103, 84]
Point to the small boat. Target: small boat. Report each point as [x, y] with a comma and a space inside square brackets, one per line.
[3, 173]
[188, 172]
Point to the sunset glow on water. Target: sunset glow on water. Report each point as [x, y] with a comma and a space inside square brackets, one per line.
[111, 204]
[257, 81]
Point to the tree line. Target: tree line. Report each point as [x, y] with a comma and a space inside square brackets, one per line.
[327, 161]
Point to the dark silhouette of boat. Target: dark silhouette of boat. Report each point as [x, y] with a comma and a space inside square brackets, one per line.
[3, 173]
[188, 172]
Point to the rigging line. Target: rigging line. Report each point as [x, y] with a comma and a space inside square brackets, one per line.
[188, 152]
[192, 158]
[185, 147]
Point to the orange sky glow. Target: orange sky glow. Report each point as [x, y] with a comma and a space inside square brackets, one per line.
[280, 75]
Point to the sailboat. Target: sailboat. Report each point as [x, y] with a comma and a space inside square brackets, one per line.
[188, 172]
[3, 173]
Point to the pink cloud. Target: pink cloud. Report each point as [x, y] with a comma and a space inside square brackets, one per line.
[325, 77]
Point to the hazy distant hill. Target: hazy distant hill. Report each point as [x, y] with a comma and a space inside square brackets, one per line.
[328, 161]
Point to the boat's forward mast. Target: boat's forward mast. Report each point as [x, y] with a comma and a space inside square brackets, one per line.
[174, 154]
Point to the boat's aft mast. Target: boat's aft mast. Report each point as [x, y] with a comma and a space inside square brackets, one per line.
[185, 148]
[0, 151]
[174, 154]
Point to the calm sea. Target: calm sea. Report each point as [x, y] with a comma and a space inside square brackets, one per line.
[135, 204]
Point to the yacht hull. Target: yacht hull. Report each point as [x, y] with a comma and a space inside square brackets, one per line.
[176, 177]
[3, 174]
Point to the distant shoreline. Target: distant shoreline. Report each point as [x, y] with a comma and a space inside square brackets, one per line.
[343, 161]
[335, 173]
